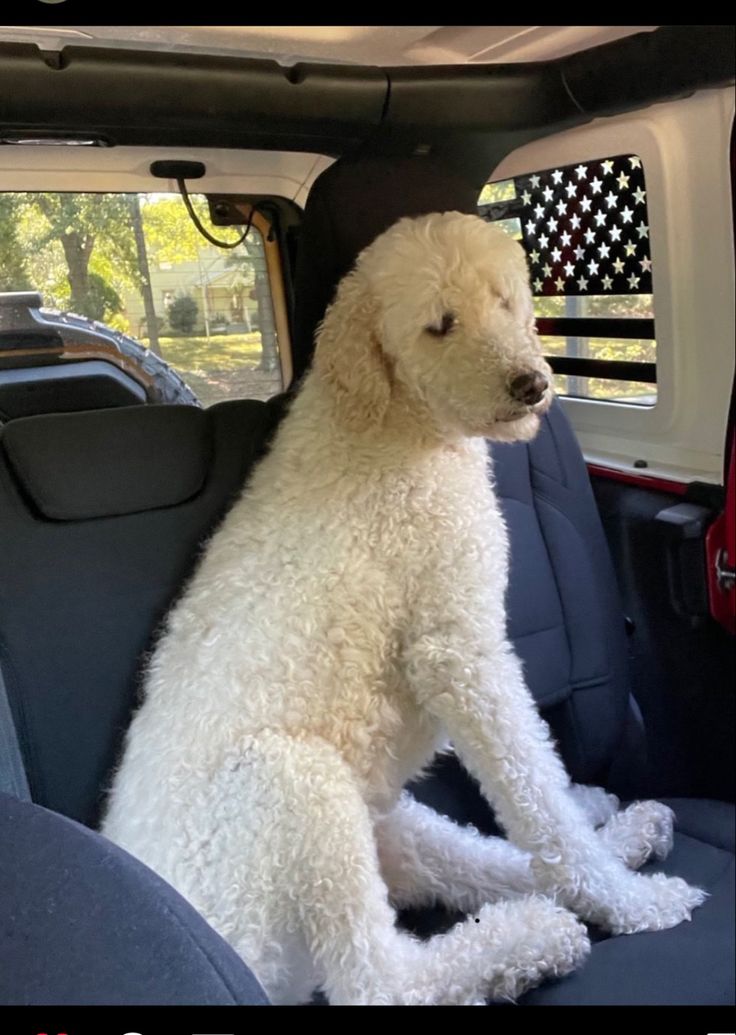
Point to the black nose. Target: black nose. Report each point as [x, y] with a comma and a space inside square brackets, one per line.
[528, 388]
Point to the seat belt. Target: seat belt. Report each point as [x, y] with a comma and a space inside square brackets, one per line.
[13, 779]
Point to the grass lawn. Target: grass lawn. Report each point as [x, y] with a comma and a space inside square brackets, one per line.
[220, 352]
[221, 367]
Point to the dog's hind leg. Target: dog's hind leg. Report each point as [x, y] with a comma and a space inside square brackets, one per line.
[349, 924]
[426, 857]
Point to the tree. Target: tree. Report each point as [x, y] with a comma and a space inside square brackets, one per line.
[144, 275]
[14, 274]
[183, 314]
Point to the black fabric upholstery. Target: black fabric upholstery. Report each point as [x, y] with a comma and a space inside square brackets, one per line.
[349, 205]
[690, 965]
[564, 614]
[80, 599]
[82, 922]
[144, 459]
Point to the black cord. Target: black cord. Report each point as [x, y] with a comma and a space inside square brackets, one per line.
[203, 231]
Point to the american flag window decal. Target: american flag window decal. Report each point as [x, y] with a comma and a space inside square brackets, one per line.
[585, 230]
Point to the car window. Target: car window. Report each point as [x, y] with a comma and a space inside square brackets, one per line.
[137, 263]
[585, 230]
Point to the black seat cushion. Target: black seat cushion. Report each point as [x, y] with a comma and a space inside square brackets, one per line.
[82, 922]
[104, 513]
[692, 964]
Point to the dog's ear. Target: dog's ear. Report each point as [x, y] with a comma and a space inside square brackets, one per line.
[349, 357]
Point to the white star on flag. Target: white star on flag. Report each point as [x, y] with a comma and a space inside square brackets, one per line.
[574, 236]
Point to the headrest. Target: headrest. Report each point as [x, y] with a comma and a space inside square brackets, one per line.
[104, 463]
[349, 205]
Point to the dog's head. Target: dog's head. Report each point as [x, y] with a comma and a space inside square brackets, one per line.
[439, 307]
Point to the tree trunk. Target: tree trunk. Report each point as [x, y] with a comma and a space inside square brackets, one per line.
[77, 252]
[145, 274]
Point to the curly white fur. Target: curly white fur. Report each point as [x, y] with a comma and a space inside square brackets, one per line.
[346, 619]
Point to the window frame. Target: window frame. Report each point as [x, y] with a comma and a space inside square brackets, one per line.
[684, 147]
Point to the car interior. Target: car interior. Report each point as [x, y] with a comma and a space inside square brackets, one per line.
[620, 512]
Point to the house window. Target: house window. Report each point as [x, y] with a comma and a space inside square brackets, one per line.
[585, 230]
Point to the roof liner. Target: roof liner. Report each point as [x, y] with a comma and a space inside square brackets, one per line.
[198, 100]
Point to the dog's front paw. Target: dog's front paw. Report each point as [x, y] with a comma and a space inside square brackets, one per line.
[639, 902]
[642, 831]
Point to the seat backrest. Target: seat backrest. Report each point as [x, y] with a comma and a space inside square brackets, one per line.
[564, 614]
[102, 514]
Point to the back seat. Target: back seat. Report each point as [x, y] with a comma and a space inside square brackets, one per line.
[102, 515]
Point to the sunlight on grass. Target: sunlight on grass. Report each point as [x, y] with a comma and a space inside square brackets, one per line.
[222, 352]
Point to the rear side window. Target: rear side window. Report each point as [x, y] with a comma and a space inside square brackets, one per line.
[585, 230]
[136, 263]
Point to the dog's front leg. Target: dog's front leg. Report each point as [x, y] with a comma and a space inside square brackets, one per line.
[477, 690]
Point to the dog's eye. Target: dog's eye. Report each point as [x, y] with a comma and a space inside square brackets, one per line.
[506, 304]
[445, 325]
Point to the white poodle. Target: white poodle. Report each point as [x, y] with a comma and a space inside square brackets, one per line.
[346, 620]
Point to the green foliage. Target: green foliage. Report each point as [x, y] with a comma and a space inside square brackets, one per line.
[183, 314]
[14, 275]
[103, 301]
